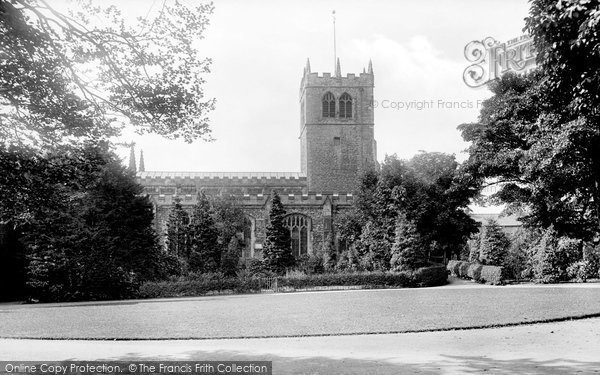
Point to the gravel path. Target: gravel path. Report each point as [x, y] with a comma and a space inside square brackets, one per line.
[300, 314]
[554, 348]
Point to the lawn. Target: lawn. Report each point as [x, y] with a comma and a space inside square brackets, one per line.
[298, 314]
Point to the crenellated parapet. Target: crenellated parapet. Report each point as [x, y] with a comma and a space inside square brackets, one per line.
[261, 200]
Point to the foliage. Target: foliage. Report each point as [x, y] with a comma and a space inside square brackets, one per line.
[277, 253]
[330, 254]
[407, 250]
[68, 74]
[539, 134]
[177, 230]
[96, 239]
[494, 245]
[517, 255]
[550, 258]
[204, 250]
[484, 274]
[473, 243]
[310, 264]
[203, 284]
[231, 258]
[429, 191]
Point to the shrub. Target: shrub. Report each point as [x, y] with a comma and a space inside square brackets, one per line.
[474, 271]
[407, 250]
[463, 269]
[310, 264]
[473, 244]
[579, 271]
[484, 274]
[454, 266]
[494, 245]
[491, 275]
[431, 276]
[551, 257]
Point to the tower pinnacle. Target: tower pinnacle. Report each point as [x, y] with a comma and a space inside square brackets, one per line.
[142, 166]
[132, 158]
[338, 70]
[370, 71]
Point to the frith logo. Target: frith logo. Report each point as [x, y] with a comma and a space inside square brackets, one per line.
[490, 59]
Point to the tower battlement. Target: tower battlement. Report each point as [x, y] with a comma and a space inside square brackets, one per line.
[337, 142]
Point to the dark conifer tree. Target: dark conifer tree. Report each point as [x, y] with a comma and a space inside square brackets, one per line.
[277, 253]
[177, 230]
[205, 250]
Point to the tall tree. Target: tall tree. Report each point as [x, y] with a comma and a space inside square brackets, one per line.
[408, 252]
[205, 250]
[177, 230]
[540, 134]
[97, 241]
[277, 250]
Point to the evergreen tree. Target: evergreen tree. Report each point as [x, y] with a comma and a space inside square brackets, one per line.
[177, 230]
[277, 251]
[205, 251]
[231, 258]
[407, 251]
[330, 256]
[493, 248]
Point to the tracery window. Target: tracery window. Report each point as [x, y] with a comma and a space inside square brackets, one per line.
[299, 226]
[345, 106]
[328, 105]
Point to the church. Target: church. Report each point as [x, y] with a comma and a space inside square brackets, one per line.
[337, 144]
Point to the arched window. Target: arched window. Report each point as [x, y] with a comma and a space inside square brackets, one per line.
[328, 105]
[299, 226]
[345, 106]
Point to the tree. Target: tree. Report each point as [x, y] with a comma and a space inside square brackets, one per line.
[432, 193]
[539, 133]
[177, 230]
[330, 254]
[97, 241]
[539, 160]
[494, 244]
[277, 250]
[407, 251]
[151, 73]
[231, 258]
[204, 249]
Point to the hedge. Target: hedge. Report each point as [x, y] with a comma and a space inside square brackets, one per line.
[475, 271]
[210, 284]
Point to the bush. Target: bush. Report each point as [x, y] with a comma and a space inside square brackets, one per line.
[494, 245]
[454, 267]
[431, 276]
[579, 271]
[201, 284]
[198, 285]
[474, 271]
[310, 264]
[492, 275]
[484, 274]
[551, 257]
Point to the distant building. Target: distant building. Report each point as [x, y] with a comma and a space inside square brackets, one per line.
[337, 144]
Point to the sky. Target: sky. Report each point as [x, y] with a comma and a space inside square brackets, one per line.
[259, 49]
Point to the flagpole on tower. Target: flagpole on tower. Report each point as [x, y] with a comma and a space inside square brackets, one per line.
[334, 43]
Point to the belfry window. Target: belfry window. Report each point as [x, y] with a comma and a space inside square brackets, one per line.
[328, 105]
[299, 226]
[345, 106]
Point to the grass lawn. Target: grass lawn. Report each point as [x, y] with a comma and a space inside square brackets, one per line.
[297, 314]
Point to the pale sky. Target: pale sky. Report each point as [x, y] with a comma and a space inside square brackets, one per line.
[259, 49]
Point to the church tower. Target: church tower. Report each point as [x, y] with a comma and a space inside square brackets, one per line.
[336, 129]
